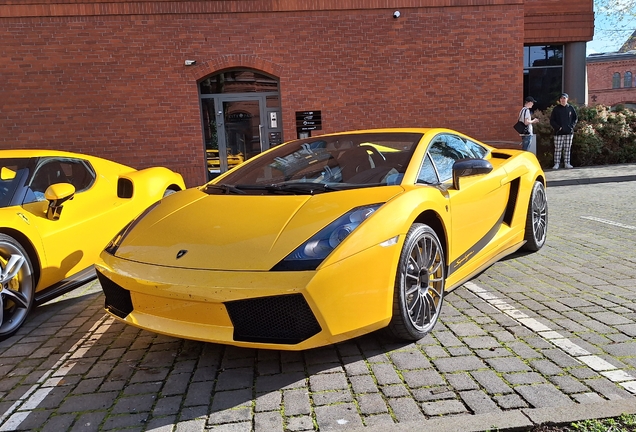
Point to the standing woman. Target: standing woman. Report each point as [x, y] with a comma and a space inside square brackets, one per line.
[563, 120]
[526, 117]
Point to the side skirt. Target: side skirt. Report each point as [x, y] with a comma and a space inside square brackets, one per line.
[66, 285]
[512, 249]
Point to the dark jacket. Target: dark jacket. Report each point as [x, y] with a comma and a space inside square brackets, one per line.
[563, 119]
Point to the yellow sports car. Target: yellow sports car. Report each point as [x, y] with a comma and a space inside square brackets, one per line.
[58, 211]
[326, 238]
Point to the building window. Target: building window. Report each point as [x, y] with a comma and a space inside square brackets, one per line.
[628, 79]
[543, 73]
[616, 80]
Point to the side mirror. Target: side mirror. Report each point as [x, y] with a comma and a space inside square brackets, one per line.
[468, 168]
[7, 174]
[57, 194]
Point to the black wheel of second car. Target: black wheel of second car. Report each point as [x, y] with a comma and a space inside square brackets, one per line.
[537, 219]
[17, 287]
[419, 285]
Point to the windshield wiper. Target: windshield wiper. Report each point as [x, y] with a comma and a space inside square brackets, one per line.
[224, 188]
[303, 188]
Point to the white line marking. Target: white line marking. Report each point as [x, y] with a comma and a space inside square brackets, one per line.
[609, 222]
[596, 363]
[11, 419]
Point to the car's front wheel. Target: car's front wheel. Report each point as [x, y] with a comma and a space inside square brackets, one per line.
[419, 285]
[16, 286]
[537, 219]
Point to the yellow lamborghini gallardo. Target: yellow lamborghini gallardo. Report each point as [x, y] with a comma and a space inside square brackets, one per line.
[58, 211]
[323, 239]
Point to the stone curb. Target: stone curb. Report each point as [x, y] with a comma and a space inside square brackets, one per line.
[513, 420]
[591, 180]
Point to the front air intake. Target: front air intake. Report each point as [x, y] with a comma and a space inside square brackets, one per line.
[118, 301]
[285, 319]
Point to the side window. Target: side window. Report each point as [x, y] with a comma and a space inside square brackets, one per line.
[53, 171]
[444, 151]
[616, 80]
[628, 79]
[478, 151]
[427, 174]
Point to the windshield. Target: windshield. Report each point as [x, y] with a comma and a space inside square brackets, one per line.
[324, 164]
[11, 172]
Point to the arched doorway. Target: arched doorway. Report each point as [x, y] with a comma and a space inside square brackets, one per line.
[241, 117]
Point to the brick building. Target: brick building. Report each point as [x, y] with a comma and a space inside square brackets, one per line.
[612, 76]
[159, 82]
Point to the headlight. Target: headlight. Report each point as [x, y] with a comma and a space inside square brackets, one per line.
[113, 245]
[310, 254]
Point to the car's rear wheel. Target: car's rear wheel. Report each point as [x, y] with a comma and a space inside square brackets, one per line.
[419, 285]
[537, 219]
[16, 286]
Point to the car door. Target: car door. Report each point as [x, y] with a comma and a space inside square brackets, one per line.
[477, 207]
[74, 241]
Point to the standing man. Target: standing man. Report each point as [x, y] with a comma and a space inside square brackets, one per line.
[563, 120]
[526, 117]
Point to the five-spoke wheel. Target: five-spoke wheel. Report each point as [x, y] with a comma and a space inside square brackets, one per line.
[537, 219]
[16, 286]
[419, 286]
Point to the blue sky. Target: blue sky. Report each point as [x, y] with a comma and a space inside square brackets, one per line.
[610, 41]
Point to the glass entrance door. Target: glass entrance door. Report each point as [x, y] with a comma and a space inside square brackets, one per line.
[237, 129]
[241, 116]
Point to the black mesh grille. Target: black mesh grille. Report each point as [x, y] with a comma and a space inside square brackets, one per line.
[118, 300]
[284, 319]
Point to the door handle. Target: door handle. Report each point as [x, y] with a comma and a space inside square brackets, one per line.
[260, 136]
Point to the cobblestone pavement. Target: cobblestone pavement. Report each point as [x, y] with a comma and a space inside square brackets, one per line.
[537, 337]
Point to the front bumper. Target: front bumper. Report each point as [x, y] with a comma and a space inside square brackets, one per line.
[278, 310]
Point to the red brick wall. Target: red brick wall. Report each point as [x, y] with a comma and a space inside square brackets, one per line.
[599, 79]
[112, 82]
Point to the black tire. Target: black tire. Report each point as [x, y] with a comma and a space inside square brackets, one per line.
[537, 219]
[168, 192]
[18, 286]
[419, 285]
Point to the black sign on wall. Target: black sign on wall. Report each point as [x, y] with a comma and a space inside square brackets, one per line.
[308, 120]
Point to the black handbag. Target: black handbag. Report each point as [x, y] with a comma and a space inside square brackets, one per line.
[521, 128]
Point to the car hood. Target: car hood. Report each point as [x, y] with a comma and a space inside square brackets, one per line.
[195, 230]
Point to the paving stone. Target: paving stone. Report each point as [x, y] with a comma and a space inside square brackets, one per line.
[230, 399]
[405, 409]
[444, 407]
[324, 382]
[560, 358]
[134, 404]
[546, 367]
[59, 423]
[508, 364]
[363, 384]
[568, 385]
[331, 397]
[385, 374]
[478, 401]
[461, 381]
[457, 364]
[200, 393]
[233, 379]
[447, 338]
[176, 384]
[622, 349]
[481, 342]
[410, 360]
[89, 422]
[394, 391]
[268, 401]
[358, 367]
[589, 398]
[433, 394]
[510, 401]
[491, 382]
[336, 416]
[90, 402]
[608, 389]
[285, 380]
[376, 420]
[169, 405]
[371, 404]
[233, 415]
[296, 402]
[459, 351]
[543, 395]
[524, 378]
[268, 421]
[434, 351]
[423, 378]
[297, 424]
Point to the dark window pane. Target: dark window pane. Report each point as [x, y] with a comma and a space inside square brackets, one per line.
[616, 80]
[238, 81]
[628, 79]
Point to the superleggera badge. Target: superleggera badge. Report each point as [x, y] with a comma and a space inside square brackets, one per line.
[181, 253]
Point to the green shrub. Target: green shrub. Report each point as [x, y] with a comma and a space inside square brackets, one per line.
[602, 136]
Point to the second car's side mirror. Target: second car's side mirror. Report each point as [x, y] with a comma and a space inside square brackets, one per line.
[57, 194]
[469, 167]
